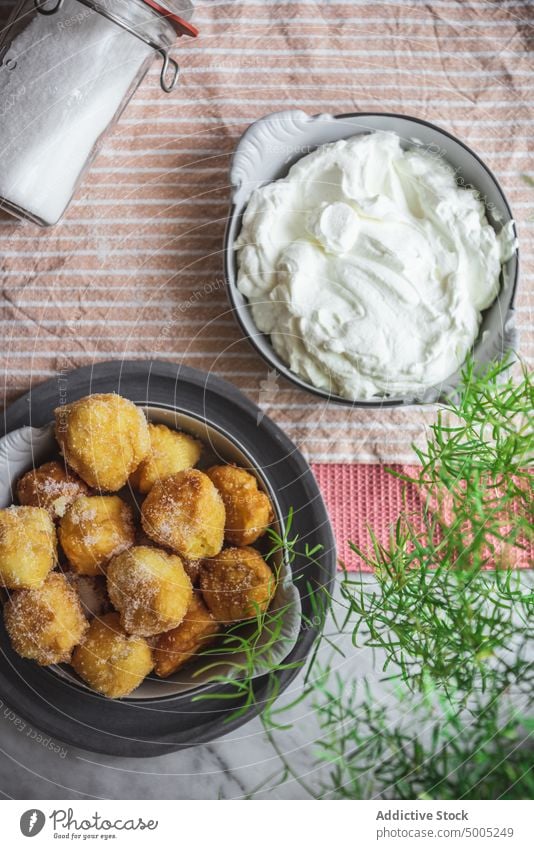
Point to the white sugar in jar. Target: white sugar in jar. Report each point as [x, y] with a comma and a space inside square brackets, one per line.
[68, 68]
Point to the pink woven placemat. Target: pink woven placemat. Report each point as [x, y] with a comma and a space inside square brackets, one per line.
[359, 497]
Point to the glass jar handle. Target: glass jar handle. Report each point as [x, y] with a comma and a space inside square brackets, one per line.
[168, 82]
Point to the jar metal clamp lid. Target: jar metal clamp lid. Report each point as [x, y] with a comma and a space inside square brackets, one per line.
[170, 69]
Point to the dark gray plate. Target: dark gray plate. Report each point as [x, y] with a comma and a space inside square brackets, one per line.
[154, 727]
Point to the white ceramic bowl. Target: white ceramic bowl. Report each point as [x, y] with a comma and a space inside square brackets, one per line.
[266, 152]
[29, 447]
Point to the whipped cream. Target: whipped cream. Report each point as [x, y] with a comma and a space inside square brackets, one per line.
[369, 267]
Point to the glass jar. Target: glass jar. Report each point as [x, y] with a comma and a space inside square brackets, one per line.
[67, 70]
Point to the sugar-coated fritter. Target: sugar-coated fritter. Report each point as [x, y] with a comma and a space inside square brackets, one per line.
[192, 567]
[93, 530]
[174, 648]
[52, 487]
[103, 438]
[185, 513]
[111, 661]
[170, 452]
[248, 510]
[237, 584]
[45, 624]
[150, 589]
[28, 547]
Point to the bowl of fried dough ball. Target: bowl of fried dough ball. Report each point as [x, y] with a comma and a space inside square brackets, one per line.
[135, 545]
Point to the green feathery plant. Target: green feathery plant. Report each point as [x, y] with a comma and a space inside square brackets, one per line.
[447, 611]
[370, 751]
[387, 744]
[445, 602]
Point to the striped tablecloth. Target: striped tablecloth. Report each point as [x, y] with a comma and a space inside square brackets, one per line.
[140, 249]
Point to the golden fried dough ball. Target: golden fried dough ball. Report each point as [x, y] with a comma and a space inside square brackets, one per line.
[248, 510]
[150, 589]
[185, 513]
[111, 661]
[236, 584]
[28, 547]
[93, 530]
[103, 438]
[170, 452]
[51, 487]
[192, 567]
[46, 623]
[176, 647]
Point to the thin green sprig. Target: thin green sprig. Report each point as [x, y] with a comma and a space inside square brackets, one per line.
[247, 650]
[370, 752]
[446, 602]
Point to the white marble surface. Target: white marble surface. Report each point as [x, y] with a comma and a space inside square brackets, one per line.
[233, 767]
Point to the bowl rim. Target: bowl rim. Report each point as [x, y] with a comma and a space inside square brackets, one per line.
[231, 280]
